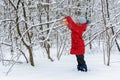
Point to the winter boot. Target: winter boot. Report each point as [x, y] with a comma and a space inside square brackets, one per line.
[82, 68]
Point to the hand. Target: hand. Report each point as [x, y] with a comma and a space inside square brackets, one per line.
[64, 22]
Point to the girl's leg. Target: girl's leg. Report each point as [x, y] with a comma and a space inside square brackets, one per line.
[80, 60]
[81, 63]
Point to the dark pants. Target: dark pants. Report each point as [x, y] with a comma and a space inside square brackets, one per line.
[80, 60]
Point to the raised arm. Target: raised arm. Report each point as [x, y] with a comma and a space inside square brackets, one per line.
[74, 27]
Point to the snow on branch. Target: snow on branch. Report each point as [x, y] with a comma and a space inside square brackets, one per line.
[6, 20]
[5, 44]
[58, 5]
[115, 35]
[43, 3]
[40, 25]
[97, 34]
[115, 17]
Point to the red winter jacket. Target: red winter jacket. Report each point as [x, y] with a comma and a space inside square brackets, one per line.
[78, 46]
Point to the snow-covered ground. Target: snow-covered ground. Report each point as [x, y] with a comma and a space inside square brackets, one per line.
[65, 69]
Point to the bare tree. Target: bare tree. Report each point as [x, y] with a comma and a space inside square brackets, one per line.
[110, 32]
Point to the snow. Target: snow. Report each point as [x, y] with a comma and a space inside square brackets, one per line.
[65, 69]
[1, 2]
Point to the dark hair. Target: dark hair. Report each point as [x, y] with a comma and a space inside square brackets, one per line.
[88, 22]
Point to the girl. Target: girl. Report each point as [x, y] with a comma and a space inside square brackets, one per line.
[77, 47]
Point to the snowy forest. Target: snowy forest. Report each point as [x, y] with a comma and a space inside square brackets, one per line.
[31, 27]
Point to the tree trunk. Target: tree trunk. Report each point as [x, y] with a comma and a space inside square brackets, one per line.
[105, 16]
[29, 47]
